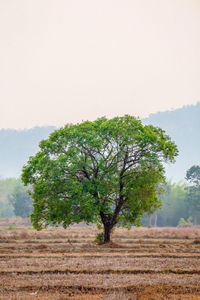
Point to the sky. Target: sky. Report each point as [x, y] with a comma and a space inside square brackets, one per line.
[66, 61]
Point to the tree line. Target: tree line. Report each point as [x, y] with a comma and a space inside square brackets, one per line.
[178, 207]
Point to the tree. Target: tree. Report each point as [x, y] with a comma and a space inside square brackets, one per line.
[193, 195]
[21, 201]
[6, 188]
[105, 172]
[193, 175]
[174, 206]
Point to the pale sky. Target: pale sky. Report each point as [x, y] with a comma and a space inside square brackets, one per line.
[64, 61]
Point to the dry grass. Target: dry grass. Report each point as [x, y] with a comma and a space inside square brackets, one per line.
[156, 263]
[89, 232]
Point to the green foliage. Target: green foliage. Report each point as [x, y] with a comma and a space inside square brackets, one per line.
[106, 171]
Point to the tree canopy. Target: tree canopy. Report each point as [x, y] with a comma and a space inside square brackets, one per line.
[106, 172]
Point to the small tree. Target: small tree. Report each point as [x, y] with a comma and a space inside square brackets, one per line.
[21, 201]
[193, 194]
[193, 175]
[105, 172]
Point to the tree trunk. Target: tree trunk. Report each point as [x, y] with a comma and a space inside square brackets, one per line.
[155, 221]
[107, 230]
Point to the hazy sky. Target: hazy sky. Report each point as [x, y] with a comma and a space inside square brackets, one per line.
[65, 61]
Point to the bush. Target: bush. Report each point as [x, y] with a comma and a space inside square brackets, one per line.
[185, 223]
[12, 226]
[100, 238]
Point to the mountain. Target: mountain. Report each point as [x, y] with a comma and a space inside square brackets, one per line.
[17, 145]
[182, 125]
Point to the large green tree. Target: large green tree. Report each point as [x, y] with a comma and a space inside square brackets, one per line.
[106, 172]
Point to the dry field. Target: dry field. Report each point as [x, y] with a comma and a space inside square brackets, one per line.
[66, 264]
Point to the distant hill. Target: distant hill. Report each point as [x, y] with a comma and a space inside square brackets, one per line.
[17, 145]
[183, 125]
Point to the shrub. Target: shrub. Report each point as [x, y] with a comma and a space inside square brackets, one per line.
[185, 223]
[12, 226]
[100, 238]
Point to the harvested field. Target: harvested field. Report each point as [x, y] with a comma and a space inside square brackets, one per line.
[156, 263]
